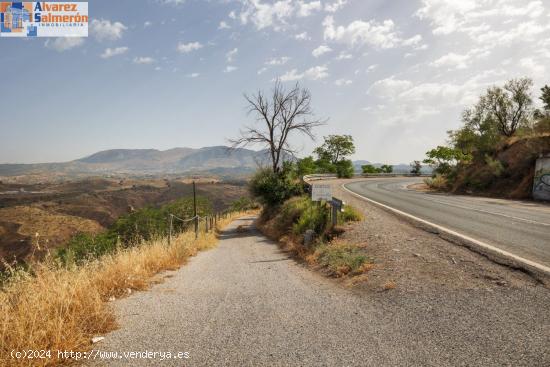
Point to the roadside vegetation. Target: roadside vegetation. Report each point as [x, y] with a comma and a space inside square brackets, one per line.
[304, 228]
[61, 302]
[495, 150]
[288, 213]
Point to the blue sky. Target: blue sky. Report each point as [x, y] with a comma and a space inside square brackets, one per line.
[166, 73]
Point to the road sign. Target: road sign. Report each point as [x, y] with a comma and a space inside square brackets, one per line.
[337, 203]
[321, 192]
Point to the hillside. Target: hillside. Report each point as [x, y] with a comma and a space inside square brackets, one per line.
[514, 180]
[149, 161]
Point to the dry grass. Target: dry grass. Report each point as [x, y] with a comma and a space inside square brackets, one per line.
[51, 227]
[389, 285]
[60, 308]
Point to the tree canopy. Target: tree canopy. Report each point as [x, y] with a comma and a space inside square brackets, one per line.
[336, 148]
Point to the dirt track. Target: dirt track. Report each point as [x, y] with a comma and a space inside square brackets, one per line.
[246, 303]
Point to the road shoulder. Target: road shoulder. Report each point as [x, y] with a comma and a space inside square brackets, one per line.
[415, 259]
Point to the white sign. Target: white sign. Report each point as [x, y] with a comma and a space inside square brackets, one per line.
[321, 192]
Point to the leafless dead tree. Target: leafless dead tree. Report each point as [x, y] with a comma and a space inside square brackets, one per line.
[279, 116]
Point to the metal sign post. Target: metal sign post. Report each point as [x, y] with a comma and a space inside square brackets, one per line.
[337, 206]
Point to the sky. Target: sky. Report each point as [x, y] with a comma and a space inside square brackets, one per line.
[394, 74]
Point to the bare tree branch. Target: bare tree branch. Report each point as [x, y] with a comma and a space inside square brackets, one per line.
[283, 114]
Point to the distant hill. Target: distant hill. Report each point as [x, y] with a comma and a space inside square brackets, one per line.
[150, 161]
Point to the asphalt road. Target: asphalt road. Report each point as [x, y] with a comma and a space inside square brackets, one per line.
[245, 303]
[521, 228]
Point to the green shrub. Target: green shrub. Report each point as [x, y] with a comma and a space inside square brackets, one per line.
[272, 188]
[242, 204]
[349, 214]
[84, 246]
[341, 258]
[494, 166]
[344, 169]
[314, 217]
[132, 229]
[438, 182]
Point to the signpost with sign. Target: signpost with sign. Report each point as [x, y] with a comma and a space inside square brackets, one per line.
[321, 192]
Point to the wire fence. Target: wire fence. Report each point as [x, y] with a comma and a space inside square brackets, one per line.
[208, 222]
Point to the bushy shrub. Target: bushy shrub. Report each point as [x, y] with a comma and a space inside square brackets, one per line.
[243, 203]
[84, 246]
[349, 214]
[344, 169]
[131, 229]
[272, 188]
[438, 182]
[314, 217]
[494, 166]
[341, 258]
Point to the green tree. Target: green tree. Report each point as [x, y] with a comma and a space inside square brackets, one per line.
[369, 169]
[336, 148]
[443, 159]
[510, 106]
[273, 188]
[344, 169]
[416, 168]
[545, 97]
[305, 166]
[387, 168]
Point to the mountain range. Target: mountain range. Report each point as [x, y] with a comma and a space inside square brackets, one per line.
[218, 160]
[150, 161]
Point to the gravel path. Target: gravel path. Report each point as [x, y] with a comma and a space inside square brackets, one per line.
[246, 303]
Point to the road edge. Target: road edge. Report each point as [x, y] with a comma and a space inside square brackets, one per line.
[499, 256]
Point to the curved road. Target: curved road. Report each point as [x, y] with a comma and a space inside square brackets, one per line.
[521, 228]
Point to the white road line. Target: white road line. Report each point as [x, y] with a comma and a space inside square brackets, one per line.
[423, 197]
[493, 213]
[481, 244]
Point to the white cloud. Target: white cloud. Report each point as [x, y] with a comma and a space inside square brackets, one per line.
[173, 2]
[389, 87]
[372, 33]
[105, 30]
[275, 14]
[302, 36]
[229, 69]
[335, 6]
[413, 102]
[185, 48]
[264, 15]
[343, 82]
[372, 68]
[344, 56]
[193, 75]
[277, 61]
[223, 25]
[144, 60]
[452, 60]
[147, 24]
[111, 52]
[532, 66]
[321, 50]
[475, 16]
[230, 56]
[262, 70]
[305, 9]
[314, 73]
[64, 44]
